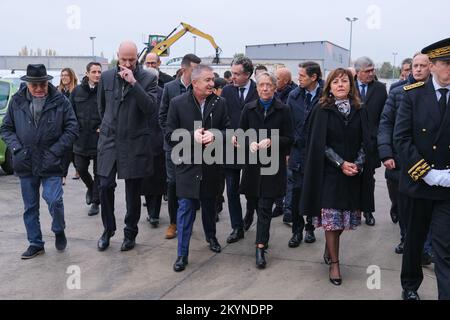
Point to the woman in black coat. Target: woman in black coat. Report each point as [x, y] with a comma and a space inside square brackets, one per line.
[338, 169]
[269, 114]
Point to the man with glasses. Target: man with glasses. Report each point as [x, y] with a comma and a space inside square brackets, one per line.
[154, 61]
[373, 96]
[40, 128]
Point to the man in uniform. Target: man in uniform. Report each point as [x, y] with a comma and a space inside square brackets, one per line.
[422, 138]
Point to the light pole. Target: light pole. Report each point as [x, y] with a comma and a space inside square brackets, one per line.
[393, 67]
[351, 20]
[93, 48]
[195, 45]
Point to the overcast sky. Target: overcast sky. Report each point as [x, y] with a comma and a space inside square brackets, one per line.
[383, 27]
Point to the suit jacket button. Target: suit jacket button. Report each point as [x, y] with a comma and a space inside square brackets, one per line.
[434, 148]
[424, 130]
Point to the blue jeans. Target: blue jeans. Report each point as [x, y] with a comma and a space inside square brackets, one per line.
[186, 218]
[53, 195]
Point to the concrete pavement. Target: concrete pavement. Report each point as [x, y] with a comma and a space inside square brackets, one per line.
[146, 272]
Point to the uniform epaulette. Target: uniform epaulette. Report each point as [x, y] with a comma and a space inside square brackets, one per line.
[413, 86]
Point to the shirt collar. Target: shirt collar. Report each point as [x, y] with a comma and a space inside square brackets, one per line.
[437, 86]
[182, 82]
[314, 92]
[247, 86]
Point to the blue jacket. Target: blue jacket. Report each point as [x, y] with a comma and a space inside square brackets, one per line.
[300, 115]
[39, 150]
[283, 95]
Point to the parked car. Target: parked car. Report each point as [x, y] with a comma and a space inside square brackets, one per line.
[7, 90]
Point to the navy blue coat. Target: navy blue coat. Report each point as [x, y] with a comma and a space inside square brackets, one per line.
[283, 95]
[386, 147]
[300, 117]
[39, 151]
[422, 139]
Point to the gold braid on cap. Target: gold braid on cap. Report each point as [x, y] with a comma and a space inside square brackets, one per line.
[440, 52]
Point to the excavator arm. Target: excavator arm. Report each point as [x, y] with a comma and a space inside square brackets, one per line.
[172, 38]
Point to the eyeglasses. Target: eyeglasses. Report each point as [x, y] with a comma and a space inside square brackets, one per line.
[36, 85]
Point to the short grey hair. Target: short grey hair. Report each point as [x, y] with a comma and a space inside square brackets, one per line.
[270, 75]
[197, 71]
[363, 63]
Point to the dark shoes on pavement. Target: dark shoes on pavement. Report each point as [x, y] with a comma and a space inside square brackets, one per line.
[236, 235]
[154, 222]
[103, 243]
[128, 244]
[394, 216]
[310, 237]
[296, 240]
[180, 264]
[335, 281]
[426, 259]
[60, 241]
[410, 295]
[260, 258]
[370, 220]
[94, 210]
[278, 211]
[32, 252]
[214, 245]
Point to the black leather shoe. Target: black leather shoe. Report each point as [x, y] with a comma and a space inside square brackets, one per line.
[277, 212]
[296, 239]
[32, 252]
[399, 249]
[310, 237]
[370, 220]
[94, 210]
[214, 245]
[236, 235]
[260, 258]
[103, 243]
[248, 221]
[410, 295]
[287, 219]
[60, 241]
[180, 264]
[337, 281]
[128, 244]
[89, 197]
[426, 259]
[394, 216]
[153, 222]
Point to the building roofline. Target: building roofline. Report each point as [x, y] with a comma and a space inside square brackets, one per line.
[298, 42]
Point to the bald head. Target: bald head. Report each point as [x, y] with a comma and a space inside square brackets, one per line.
[128, 55]
[284, 77]
[152, 61]
[421, 67]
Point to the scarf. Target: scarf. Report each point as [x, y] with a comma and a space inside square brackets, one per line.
[344, 107]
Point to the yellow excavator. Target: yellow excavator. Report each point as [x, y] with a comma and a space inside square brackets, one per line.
[160, 44]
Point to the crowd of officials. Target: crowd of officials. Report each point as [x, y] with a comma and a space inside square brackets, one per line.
[328, 136]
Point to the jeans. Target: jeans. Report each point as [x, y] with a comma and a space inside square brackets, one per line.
[186, 218]
[53, 195]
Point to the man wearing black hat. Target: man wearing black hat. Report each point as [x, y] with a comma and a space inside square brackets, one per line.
[40, 127]
[422, 138]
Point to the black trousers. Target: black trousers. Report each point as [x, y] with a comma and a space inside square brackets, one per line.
[423, 214]
[392, 186]
[133, 203]
[298, 222]
[82, 164]
[172, 199]
[153, 205]
[264, 219]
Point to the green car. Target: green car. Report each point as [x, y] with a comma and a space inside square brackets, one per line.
[7, 90]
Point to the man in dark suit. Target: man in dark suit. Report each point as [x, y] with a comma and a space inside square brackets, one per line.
[422, 139]
[127, 99]
[241, 92]
[373, 94]
[174, 89]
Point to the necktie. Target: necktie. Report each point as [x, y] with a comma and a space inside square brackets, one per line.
[308, 100]
[443, 100]
[241, 95]
[363, 92]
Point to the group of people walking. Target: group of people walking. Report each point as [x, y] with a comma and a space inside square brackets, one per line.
[326, 136]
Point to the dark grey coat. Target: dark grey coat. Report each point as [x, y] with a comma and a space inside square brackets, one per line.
[125, 133]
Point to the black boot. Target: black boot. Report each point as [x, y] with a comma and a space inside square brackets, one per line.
[296, 240]
[103, 243]
[260, 258]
